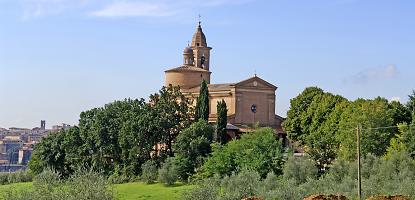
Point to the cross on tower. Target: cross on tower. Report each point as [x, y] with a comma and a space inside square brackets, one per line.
[200, 19]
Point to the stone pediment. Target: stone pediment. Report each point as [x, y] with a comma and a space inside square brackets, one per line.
[255, 82]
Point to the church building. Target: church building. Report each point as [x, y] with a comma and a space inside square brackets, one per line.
[249, 101]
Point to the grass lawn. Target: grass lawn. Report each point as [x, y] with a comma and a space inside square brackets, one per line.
[137, 190]
[126, 191]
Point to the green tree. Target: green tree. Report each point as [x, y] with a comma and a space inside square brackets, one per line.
[202, 104]
[411, 104]
[298, 108]
[318, 124]
[370, 114]
[258, 151]
[174, 115]
[191, 148]
[221, 122]
[400, 113]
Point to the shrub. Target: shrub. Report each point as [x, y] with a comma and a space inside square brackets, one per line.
[237, 186]
[168, 172]
[299, 169]
[149, 174]
[191, 147]
[82, 185]
[242, 185]
[117, 178]
[259, 151]
[15, 177]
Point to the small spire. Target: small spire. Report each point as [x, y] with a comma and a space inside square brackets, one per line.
[255, 73]
[200, 19]
[188, 43]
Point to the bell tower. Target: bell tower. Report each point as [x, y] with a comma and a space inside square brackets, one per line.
[201, 51]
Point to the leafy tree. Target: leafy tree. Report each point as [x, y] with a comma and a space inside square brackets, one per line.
[411, 104]
[191, 147]
[221, 122]
[174, 115]
[119, 137]
[258, 151]
[400, 113]
[298, 107]
[202, 104]
[54, 152]
[318, 127]
[370, 114]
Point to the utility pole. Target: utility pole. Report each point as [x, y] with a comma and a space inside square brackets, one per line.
[359, 175]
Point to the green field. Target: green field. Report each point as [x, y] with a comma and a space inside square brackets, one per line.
[127, 191]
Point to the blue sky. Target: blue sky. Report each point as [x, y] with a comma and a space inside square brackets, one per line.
[61, 57]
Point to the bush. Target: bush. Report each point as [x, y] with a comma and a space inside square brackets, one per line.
[299, 169]
[380, 176]
[82, 185]
[149, 174]
[168, 172]
[191, 147]
[259, 151]
[237, 186]
[15, 177]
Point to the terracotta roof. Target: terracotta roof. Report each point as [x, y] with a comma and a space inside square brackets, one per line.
[187, 68]
[212, 88]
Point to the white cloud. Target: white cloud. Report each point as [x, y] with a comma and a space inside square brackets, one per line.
[39, 8]
[371, 74]
[134, 9]
[119, 8]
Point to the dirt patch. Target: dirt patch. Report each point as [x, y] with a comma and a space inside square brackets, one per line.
[395, 197]
[325, 197]
[252, 198]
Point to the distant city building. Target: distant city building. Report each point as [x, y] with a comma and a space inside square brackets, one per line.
[63, 126]
[24, 155]
[16, 144]
[43, 124]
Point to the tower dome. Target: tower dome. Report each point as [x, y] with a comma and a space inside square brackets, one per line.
[188, 56]
[188, 50]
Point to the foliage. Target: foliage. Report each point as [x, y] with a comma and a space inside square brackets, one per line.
[82, 185]
[258, 151]
[411, 104]
[191, 147]
[202, 104]
[379, 177]
[150, 170]
[369, 114]
[312, 121]
[299, 169]
[168, 172]
[319, 126]
[117, 138]
[221, 122]
[236, 186]
[325, 125]
[16, 177]
[298, 107]
[400, 112]
[173, 114]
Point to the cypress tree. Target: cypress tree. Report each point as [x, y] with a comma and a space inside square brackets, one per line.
[221, 121]
[202, 104]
